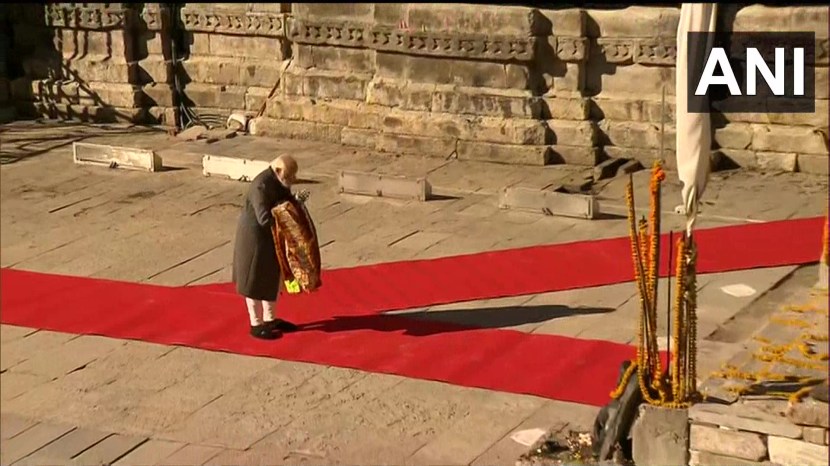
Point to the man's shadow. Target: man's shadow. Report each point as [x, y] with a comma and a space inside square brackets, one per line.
[423, 323]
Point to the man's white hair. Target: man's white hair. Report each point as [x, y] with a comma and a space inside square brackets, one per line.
[284, 164]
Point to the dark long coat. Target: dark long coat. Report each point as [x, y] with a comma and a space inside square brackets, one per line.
[256, 271]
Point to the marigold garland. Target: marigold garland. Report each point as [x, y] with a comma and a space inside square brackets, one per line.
[678, 387]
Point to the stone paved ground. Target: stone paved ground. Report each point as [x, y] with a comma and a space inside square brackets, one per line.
[95, 398]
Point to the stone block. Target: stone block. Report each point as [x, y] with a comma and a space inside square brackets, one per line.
[809, 412]
[704, 458]
[192, 134]
[637, 134]
[255, 97]
[733, 136]
[327, 85]
[466, 73]
[744, 445]
[537, 155]
[157, 95]
[485, 102]
[743, 417]
[650, 79]
[472, 19]
[264, 126]
[660, 436]
[374, 184]
[391, 14]
[106, 44]
[198, 43]
[573, 133]
[566, 22]
[574, 155]
[116, 157]
[787, 138]
[335, 11]
[233, 168]
[816, 435]
[86, 113]
[565, 108]
[484, 129]
[415, 145]
[365, 138]
[216, 96]
[549, 202]
[152, 70]
[814, 164]
[113, 95]
[789, 452]
[334, 58]
[405, 96]
[633, 21]
[233, 71]
[786, 18]
[633, 110]
[259, 47]
[337, 112]
[572, 82]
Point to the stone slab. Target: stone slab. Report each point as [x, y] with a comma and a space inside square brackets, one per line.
[789, 452]
[12, 424]
[374, 184]
[744, 445]
[743, 417]
[549, 202]
[816, 435]
[704, 458]
[30, 441]
[192, 454]
[109, 450]
[660, 436]
[150, 452]
[62, 450]
[116, 157]
[809, 412]
[233, 168]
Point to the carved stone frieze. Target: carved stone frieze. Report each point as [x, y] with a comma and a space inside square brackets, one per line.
[572, 49]
[83, 17]
[651, 51]
[656, 51]
[617, 51]
[472, 46]
[247, 24]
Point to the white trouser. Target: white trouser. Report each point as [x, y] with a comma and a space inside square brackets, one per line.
[267, 310]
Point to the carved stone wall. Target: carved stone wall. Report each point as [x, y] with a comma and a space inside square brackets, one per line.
[509, 84]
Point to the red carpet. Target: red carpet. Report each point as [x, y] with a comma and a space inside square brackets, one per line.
[554, 367]
[341, 327]
[540, 269]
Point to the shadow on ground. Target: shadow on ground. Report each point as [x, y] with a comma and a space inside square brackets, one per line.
[424, 323]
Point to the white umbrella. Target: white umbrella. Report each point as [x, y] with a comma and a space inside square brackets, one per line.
[694, 130]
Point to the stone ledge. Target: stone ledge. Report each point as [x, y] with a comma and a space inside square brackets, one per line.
[789, 452]
[637, 134]
[743, 417]
[762, 161]
[244, 23]
[326, 84]
[744, 445]
[85, 113]
[264, 126]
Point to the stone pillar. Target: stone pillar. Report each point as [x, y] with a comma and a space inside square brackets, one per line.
[660, 436]
[562, 61]
[86, 72]
[631, 61]
[234, 58]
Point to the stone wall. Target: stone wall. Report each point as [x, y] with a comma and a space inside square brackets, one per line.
[508, 84]
[759, 432]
